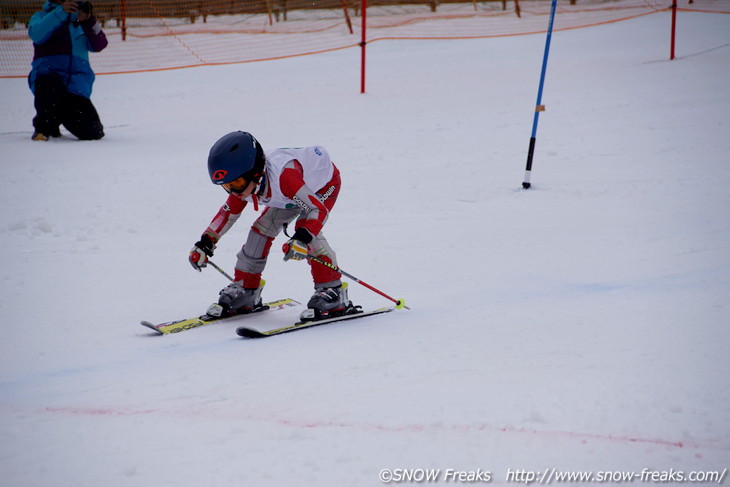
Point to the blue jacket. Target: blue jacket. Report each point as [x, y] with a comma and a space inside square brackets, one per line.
[61, 45]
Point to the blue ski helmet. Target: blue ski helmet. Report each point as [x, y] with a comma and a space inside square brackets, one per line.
[236, 155]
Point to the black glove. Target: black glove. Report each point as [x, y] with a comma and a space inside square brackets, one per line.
[201, 251]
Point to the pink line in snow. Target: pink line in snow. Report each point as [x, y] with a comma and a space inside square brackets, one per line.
[407, 428]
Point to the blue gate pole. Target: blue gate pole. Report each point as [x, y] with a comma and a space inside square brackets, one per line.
[538, 106]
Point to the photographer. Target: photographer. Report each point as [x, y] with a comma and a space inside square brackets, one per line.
[63, 34]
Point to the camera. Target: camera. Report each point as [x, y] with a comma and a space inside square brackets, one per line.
[84, 7]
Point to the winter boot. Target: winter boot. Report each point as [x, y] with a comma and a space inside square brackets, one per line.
[235, 299]
[46, 134]
[39, 136]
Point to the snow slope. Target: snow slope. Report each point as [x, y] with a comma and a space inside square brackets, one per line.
[579, 325]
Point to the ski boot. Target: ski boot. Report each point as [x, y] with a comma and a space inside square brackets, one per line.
[235, 299]
[329, 302]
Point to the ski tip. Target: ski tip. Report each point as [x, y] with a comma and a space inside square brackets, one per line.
[151, 327]
[246, 332]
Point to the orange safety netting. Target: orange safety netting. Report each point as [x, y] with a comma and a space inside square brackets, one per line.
[146, 35]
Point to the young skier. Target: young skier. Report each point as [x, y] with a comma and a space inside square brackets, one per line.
[301, 184]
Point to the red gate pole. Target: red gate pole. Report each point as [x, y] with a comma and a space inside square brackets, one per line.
[674, 28]
[363, 42]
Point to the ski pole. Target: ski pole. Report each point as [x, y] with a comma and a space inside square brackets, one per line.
[220, 270]
[399, 303]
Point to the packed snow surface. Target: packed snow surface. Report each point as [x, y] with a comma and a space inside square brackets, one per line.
[578, 325]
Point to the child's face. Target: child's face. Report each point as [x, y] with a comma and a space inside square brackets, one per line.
[240, 187]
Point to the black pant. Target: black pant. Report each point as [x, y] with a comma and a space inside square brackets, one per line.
[55, 106]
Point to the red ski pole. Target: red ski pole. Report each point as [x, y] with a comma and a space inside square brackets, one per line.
[399, 303]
